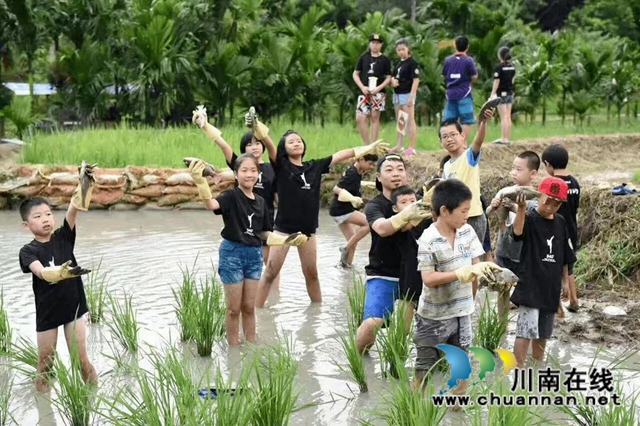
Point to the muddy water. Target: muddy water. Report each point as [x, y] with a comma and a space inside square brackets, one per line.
[143, 253]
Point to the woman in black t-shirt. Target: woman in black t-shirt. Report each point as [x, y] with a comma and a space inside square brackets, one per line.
[503, 77]
[298, 185]
[406, 77]
[246, 225]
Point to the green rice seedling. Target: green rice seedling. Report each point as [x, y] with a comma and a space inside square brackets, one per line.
[186, 297]
[354, 358]
[123, 324]
[209, 316]
[234, 401]
[96, 291]
[6, 396]
[636, 177]
[274, 393]
[394, 343]
[491, 327]
[502, 414]
[6, 333]
[585, 414]
[356, 294]
[24, 356]
[75, 399]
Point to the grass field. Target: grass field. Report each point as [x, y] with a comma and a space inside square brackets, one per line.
[165, 147]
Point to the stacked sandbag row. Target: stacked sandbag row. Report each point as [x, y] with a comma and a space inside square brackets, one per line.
[126, 189]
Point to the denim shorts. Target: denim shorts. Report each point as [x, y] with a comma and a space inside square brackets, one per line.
[461, 109]
[380, 294]
[239, 262]
[507, 99]
[401, 98]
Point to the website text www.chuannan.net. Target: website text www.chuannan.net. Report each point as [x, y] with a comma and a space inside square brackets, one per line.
[524, 400]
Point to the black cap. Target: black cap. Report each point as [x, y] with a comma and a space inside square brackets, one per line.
[375, 37]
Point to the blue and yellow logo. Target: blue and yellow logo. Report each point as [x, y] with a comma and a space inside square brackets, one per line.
[461, 364]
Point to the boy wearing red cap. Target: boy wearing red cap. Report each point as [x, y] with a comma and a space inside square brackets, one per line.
[546, 254]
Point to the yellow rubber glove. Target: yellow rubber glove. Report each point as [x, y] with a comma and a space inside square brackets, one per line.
[81, 197]
[195, 169]
[484, 270]
[260, 131]
[55, 274]
[367, 184]
[379, 148]
[346, 197]
[200, 119]
[414, 211]
[296, 239]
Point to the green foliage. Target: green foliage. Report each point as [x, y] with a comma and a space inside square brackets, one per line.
[123, 323]
[394, 342]
[208, 316]
[20, 114]
[356, 294]
[491, 327]
[186, 297]
[96, 292]
[354, 358]
[6, 333]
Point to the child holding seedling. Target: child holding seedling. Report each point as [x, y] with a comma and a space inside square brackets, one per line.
[555, 159]
[448, 257]
[57, 285]
[246, 225]
[546, 254]
[343, 207]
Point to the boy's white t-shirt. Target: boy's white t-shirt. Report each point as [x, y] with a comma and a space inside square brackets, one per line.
[436, 254]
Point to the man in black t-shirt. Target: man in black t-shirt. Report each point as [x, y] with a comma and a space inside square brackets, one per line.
[57, 286]
[372, 74]
[544, 259]
[555, 159]
[383, 270]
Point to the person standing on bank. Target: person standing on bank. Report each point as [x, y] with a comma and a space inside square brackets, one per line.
[459, 73]
[298, 184]
[406, 77]
[372, 75]
[503, 78]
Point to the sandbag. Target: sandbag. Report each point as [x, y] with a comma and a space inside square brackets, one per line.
[106, 196]
[180, 189]
[58, 201]
[173, 199]
[11, 185]
[28, 191]
[63, 178]
[58, 190]
[111, 180]
[25, 170]
[183, 178]
[133, 199]
[136, 182]
[151, 191]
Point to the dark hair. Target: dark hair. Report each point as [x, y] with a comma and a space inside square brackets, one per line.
[504, 53]
[241, 159]
[390, 157]
[370, 157]
[29, 203]
[402, 190]
[533, 159]
[404, 42]
[444, 160]
[450, 123]
[556, 155]
[462, 43]
[245, 140]
[449, 193]
[282, 151]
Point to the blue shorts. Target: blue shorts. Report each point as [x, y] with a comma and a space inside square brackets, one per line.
[461, 109]
[239, 262]
[506, 99]
[401, 98]
[380, 294]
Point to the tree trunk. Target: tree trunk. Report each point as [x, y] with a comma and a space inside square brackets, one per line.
[544, 111]
[414, 5]
[563, 107]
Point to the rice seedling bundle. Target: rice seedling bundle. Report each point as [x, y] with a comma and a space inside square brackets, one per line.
[356, 294]
[394, 342]
[6, 333]
[186, 298]
[96, 292]
[209, 316]
[123, 324]
[491, 326]
[354, 359]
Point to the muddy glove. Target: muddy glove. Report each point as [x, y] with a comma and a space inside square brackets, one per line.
[260, 131]
[379, 148]
[484, 270]
[81, 197]
[55, 274]
[200, 119]
[415, 211]
[296, 239]
[367, 184]
[195, 169]
[346, 197]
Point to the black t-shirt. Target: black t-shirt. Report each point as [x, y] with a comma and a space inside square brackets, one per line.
[569, 209]
[545, 251]
[405, 71]
[370, 66]
[299, 194]
[61, 303]
[244, 218]
[505, 73]
[407, 245]
[266, 184]
[384, 256]
[350, 181]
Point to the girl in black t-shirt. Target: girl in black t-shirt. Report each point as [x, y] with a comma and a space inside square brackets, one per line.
[298, 185]
[503, 77]
[246, 225]
[406, 77]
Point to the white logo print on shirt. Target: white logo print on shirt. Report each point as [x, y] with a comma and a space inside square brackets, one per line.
[550, 257]
[52, 263]
[306, 185]
[398, 73]
[259, 182]
[249, 230]
[371, 65]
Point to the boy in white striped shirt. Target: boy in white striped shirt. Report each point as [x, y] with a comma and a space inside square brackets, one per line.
[449, 254]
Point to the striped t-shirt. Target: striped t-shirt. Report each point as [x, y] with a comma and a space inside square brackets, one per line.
[436, 254]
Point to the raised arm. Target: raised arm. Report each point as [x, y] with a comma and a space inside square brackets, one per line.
[518, 223]
[378, 148]
[201, 120]
[261, 132]
[81, 197]
[478, 140]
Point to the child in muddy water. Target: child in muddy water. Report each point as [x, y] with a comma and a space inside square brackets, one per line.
[546, 254]
[246, 225]
[57, 285]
